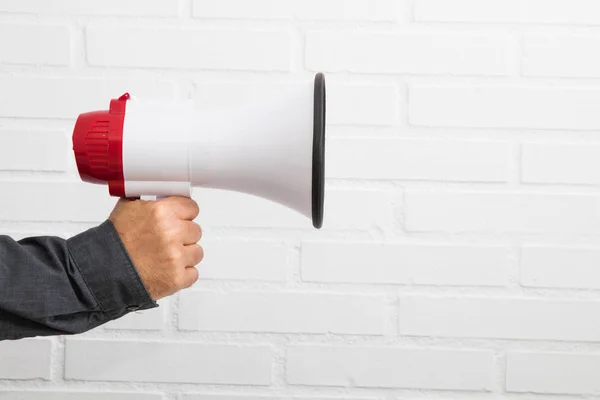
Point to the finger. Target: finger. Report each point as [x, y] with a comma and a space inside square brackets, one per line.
[193, 255]
[191, 276]
[192, 233]
[185, 208]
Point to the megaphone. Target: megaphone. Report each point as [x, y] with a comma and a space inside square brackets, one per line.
[272, 146]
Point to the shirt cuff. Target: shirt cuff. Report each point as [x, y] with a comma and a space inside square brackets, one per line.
[109, 272]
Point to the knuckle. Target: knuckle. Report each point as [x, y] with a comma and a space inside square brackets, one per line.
[174, 257]
[158, 211]
[167, 234]
[164, 242]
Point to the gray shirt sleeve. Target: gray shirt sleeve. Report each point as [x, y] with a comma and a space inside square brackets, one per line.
[52, 286]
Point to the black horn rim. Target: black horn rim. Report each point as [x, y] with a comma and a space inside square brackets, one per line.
[318, 167]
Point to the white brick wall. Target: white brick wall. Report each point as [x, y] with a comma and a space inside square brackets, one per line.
[261, 50]
[544, 163]
[250, 397]
[34, 150]
[390, 367]
[526, 212]
[129, 360]
[309, 10]
[465, 161]
[562, 56]
[505, 106]
[282, 313]
[501, 318]
[570, 12]
[560, 267]
[389, 263]
[75, 395]
[461, 246]
[553, 372]
[415, 53]
[244, 260]
[25, 359]
[49, 44]
[134, 8]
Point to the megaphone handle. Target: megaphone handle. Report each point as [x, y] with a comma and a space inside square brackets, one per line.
[157, 198]
[147, 198]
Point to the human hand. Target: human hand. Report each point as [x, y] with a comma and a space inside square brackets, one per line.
[162, 241]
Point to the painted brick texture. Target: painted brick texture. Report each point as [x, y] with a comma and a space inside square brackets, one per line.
[460, 254]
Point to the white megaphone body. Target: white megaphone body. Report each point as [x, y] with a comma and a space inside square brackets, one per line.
[271, 147]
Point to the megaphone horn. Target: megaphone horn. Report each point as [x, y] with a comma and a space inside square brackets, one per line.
[272, 147]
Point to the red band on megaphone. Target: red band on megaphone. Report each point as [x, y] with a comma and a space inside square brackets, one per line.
[98, 146]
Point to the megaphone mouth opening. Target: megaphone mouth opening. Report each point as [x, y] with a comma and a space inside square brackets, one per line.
[318, 170]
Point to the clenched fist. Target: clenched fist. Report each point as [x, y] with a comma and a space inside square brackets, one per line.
[162, 241]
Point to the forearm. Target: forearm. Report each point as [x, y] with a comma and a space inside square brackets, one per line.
[51, 286]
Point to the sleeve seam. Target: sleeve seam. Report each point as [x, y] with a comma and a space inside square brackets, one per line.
[83, 277]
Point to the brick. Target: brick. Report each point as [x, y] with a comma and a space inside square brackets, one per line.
[568, 163]
[388, 367]
[553, 373]
[560, 267]
[243, 260]
[221, 208]
[34, 150]
[355, 104]
[37, 44]
[64, 395]
[250, 397]
[282, 312]
[505, 106]
[146, 8]
[518, 11]
[360, 104]
[410, 159]
[454, 211]
[123, 361]
[443, 53]
[561, 56]
[34, 97]
[387, 263]
[208, 49]
[61, 201]
[192, 396]
[501, 318]
[25, 359]
[318, 10]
